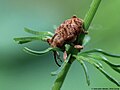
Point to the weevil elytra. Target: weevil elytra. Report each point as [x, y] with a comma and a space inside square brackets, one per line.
[67, 32]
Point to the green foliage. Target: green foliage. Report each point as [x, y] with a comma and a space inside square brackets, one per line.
[40, 52]
[90, 56]
[38, 33]
[103, 52]
[23, 40]
[85, 70]
[115, 67]
[42, 36]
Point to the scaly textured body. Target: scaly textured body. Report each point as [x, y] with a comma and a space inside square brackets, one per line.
[67, 32]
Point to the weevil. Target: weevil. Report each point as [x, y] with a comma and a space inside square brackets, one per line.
[66, 33]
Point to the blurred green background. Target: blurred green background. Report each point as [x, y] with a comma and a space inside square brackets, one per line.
[21, 71]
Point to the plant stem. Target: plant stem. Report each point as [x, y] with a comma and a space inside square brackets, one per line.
[87, 21]
[89, 17]
[91, 13]
[61, 77]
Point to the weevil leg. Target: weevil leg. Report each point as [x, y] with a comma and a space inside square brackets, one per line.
[55, 57]
[65, 55]
[79, 47]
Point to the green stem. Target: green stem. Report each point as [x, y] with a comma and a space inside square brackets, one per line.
[91, 13]
[87, 21]
[61, 77]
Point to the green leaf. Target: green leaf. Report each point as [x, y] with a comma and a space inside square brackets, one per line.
[40, 52]
[23, 40]
[43, 36]
[101, 70]
[37, 52]
[85, 70]
[86, 40]
[102, 52]
[38, 33]
[102, 58]
[91, 60]
[116, 69]
[107, 75]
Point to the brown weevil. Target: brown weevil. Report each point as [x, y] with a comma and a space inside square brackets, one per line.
[66, 33]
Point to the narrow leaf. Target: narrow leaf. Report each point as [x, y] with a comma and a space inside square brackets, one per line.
[40, 52]
[116, 69]
[37, 52]
[38, 33]
[23, 40]
[85, 70]
[100, 57]
[103, 52]
[107, 75]
[101, 70]
[90, 60]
